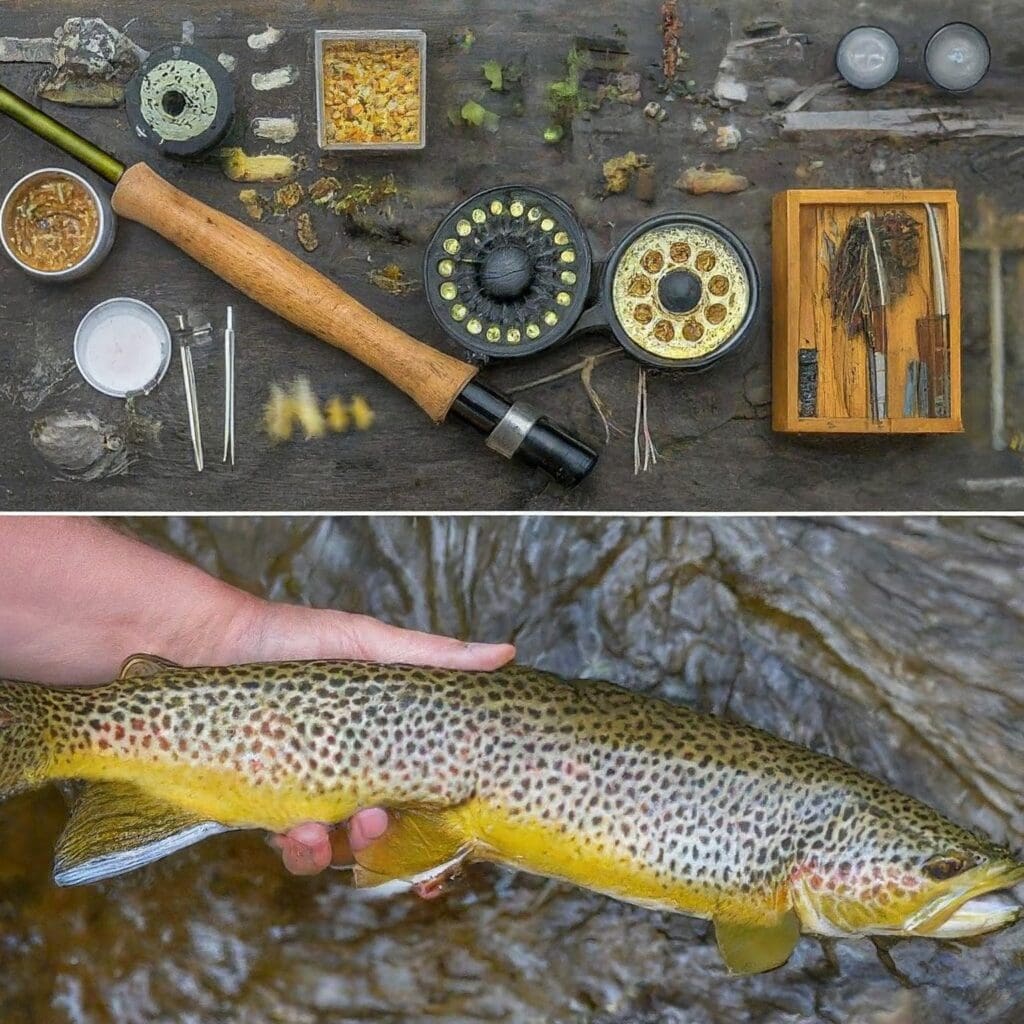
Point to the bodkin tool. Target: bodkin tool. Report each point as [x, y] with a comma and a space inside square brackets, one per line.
[229, 388]
[186, 338]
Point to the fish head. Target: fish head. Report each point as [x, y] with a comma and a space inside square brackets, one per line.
[914, 875]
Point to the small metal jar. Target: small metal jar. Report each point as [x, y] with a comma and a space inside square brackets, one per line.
[104, 235]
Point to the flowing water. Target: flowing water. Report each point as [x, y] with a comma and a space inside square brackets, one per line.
[894, 644]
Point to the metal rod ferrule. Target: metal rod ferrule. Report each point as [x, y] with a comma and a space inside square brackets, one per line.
[61, 136]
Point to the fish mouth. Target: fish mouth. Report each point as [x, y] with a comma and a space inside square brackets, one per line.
[980, 903]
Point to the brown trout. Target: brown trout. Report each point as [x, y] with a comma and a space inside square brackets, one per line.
[630, 796]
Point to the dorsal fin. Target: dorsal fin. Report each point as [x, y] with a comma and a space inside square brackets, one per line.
[138, 666]
[115, 827]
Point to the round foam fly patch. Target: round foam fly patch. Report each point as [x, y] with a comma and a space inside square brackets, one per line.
[683, 291]
[508, 271]
[181, 100]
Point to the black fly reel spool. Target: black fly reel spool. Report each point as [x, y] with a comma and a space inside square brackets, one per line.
[510, 272]
[181, 100]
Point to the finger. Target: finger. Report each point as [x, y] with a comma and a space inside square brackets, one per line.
[305, 850]
[366, 826]
[379, 641]
[290, 632]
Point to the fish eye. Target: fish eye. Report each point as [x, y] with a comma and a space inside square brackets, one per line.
[944, 866]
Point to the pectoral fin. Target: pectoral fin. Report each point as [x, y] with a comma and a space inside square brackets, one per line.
[752, 949]
[115, 827]
[137, 666]
[418, 846]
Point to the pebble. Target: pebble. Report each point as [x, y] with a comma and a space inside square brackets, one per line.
[727, 138]
[779, 91]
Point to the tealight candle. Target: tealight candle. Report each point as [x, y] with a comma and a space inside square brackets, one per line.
[957, 57]
[868, 57]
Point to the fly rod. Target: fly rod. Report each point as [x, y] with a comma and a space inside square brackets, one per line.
[270, 275]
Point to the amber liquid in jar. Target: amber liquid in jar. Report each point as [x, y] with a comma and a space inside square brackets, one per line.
[52, 223]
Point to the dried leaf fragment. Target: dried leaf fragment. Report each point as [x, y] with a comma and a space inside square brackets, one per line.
[255, 205]
[306, 233]
[620, 171]
[391, 279]
[288, 196]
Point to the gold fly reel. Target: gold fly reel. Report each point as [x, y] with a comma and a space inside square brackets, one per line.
[681, 291]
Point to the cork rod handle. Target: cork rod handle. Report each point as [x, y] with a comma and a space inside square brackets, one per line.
[273, 277]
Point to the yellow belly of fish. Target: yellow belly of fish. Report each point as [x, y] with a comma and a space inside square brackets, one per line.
[420, 839]
[480, 830]
[214, 794]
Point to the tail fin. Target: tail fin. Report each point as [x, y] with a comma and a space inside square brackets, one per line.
[24, 753]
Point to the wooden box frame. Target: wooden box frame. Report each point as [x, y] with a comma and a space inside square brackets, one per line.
[796, 269]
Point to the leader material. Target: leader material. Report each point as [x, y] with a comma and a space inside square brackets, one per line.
[440, 384]
[181, 100]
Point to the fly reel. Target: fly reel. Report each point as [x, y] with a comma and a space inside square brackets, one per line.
[508, 273]
[681, 291]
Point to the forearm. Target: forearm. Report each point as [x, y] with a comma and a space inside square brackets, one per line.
[77, 597]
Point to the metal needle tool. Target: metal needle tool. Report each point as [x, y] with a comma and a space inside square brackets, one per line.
[189, 375]
[229, 388]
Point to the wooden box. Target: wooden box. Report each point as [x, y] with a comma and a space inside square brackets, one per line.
[852, 395]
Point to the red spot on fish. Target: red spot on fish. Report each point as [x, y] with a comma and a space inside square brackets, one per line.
[119, 733]
[104, 744]
[138, 724]
[146, 741]
[165, 743]
[247, 730]
[909, 882]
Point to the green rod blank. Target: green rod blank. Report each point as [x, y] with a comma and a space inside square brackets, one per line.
[61, 136]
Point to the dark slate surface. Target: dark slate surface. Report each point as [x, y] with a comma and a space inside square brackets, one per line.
[712, 430]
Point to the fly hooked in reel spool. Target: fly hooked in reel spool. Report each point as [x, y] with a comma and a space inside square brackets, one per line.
[510, 272]
[181, 100]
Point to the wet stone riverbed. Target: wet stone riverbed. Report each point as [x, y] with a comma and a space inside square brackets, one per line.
[895, 644]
